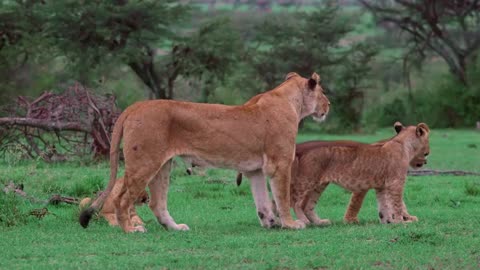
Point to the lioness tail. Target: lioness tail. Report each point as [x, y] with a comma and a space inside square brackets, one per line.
[117, 134]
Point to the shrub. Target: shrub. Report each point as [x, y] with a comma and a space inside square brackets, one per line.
[87, 187]
[472, 189]
[11, 214]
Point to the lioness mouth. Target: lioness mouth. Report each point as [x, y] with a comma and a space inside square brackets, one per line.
[319, 119]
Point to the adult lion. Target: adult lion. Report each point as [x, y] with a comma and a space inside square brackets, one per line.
[257, 139]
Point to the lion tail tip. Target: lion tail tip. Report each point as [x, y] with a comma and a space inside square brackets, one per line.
[85, 216]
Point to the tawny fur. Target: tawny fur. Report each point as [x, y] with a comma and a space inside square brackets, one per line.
[358, 167]
[256, 138]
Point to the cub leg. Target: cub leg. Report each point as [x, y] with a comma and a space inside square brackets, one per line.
[351, 216]
[298, 204]
[258, 185]
[158, 201]
[395, 196]
[406, 216]
[310, 201]
[384, 209]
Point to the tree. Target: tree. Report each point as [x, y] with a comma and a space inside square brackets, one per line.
[145, 35]
[316, 41]
[450, 29]
[92, 33]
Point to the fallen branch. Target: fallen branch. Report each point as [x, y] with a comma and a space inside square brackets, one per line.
[436, 172]
[43, 124]
[55, 199]
[77, 120]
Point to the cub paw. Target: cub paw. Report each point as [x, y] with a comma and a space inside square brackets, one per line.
[408, 218]
[294, 224]
[322, 222]
[351, 220]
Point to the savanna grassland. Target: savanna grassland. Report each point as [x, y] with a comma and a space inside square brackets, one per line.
[225, 232]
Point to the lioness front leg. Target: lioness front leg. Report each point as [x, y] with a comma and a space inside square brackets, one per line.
[280, 184]
[310, 201]
[351, 216]
[259, 189]
[158, 202]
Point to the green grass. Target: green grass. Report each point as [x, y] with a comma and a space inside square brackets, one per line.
[225, 232]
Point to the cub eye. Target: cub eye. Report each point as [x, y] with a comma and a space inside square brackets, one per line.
[426, 154]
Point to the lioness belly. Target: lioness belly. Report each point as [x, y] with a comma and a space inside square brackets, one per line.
[227, 163]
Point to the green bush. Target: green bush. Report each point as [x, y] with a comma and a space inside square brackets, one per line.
[11, 213]
[87, 187]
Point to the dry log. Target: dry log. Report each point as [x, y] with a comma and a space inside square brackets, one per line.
[436, 172]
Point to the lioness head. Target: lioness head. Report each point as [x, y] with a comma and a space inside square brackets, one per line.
[315, 102]
[420, 144]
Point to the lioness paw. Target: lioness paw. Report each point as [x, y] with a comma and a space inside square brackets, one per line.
[136, 220]
[135, 229]
[140, 229]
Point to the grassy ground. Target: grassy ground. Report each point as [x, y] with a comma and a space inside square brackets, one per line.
[225, 232]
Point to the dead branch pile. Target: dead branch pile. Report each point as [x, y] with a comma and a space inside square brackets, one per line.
[56, 127]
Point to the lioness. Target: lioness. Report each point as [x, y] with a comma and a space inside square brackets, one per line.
[257, 139]
[382, 166]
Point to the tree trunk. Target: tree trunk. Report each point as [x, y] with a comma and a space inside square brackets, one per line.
[145, 70]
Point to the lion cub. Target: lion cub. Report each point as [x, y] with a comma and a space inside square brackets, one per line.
[382, 166]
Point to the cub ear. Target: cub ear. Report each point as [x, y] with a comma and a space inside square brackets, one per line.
[313, 81]
[422, 129]
[398, 127]
[291, 75]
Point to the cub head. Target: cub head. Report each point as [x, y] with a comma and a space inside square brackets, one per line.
[419, 142]
[315, 102]
[419, 159]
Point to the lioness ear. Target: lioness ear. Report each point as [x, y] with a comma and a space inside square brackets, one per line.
[291, 75]
[398, 127]
[313, 81]
[422, 129]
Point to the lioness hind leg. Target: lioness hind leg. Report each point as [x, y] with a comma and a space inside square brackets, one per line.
[124, 203]
[351, 216]
[108, 209]
[158, 201]
[265, 212]
[310, 201]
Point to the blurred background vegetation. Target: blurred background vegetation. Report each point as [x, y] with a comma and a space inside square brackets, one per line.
[380, 61]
